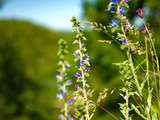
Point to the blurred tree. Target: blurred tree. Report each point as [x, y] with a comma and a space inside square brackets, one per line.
[27, 65]
[95, 10]
[13, 83]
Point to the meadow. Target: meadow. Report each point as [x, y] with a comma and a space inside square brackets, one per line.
[107, 68]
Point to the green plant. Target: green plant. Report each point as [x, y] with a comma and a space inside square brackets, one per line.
[139, 72]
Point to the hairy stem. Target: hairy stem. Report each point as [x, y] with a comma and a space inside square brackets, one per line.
[131, 62]
[147, 78]
[87, 115]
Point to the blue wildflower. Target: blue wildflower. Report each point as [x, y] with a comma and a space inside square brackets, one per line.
[122, 10]
[61, 117]
[114, 23]
[83, 62]
[78, 75]
[113, 9]
[67, 66]
[124, 41]
[60, 95]
[87, 69]
[71, 118]
[69, 82]
[79, 65]
[78, 86]
[70, 102]
[59, 76]
[87, 58]
[114, 1]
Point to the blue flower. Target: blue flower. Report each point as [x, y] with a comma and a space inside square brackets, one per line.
[69, 82]
[113, 9]
[71, 118]
[87, 58]
[122, 10]
[114, 23]
[83, 62]
[67, 66]
[114, 1]
[78, 76]
[60, 95]
[70, 102]
[78, 86]
[124, 41]
[61, 117]
[87, 69]
[79, 65]
[59, 76]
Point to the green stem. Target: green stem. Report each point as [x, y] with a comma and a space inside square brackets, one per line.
[157, 64]
[127, 103]
[154, 52]
[66, 111]
[131, 62]
[147, 78]
[147, 63]
[87, 115]
[105, 110]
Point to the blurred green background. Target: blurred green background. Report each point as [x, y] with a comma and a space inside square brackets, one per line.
[28, 49]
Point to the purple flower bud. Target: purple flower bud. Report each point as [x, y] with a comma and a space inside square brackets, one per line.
[70, 102]
[71, 118]
[78, 86]
[78, 76]
[124, 41]
[127, 27]
[59, 76]
[78, 65]
[122, 10]
[140, 12]
[87, 70]
[124, 0]
[87, 58]
[83, 62]
[61, 117]
[112, 9]
[69, 82]
[142, 29]
[67, 66]
[60, 96]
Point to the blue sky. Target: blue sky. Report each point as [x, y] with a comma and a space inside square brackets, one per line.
[54, 14]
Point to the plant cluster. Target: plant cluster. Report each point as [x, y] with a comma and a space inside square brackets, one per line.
[139, 72]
